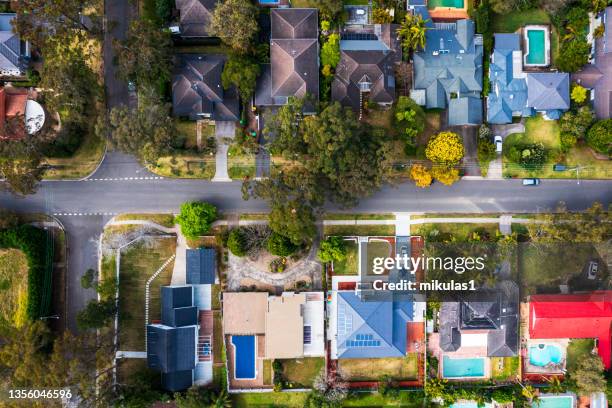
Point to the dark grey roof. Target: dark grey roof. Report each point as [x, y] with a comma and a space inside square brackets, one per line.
[177, 380]
[195, 15]
[452, 63]
[177, 306]
[201, 266]
[197, 90]
[294, 57]
[171, 349]
[496, 311]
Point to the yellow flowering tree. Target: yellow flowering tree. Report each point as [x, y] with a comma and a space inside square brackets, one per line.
[421, 176]
[445, 175]
[445, 148]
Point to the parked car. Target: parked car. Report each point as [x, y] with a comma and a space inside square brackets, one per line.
[531, 181]
[559, 167]
[499, 143]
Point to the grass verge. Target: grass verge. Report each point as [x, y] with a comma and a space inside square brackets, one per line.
[165, 220]
[359, 230]
[13, 287]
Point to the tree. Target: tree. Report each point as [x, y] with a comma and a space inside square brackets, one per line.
[507, 6]
[145, 55]
[577, 123]
[21, 164]
[88, 280]
[421, 176]
[589, 375]
[197, 397]
[332, 249]
[241, 72]
[579, 94]
[532, 155]
[235, 23]
[330, 51]
[573, 55]
[445, 175]
[236, 242]
[96, 314]
[147, 132]
[484, 132]
[293, 219]
[409, 119]
[283, 128]
[280, 245]
[486, 153]
[8, 219]
[599, 137]
[445, 148]
[381, 16]
[327, 391]
[196, 218]
[412, 32]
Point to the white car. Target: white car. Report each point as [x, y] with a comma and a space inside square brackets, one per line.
[499, 142]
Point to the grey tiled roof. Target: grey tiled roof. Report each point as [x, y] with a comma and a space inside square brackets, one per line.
[195, 15]
[548, 91]
[197, 90]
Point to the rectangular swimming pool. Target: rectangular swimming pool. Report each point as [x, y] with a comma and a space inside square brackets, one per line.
[244, 357]
[431, 4]
[463, 367]
[560, 401]
[537, 47]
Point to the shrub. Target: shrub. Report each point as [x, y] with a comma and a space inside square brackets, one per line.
[577, 123]
[532, 156]
[579, 94]
[196, 218]
[445, 148]
[567, 141]
[236, 242]
[573, 55]
[332, 249]
[421, 176]
[381, 16]
[330, 51]
[445, 175]
[599, 137]
[280, 245]
[163, 9]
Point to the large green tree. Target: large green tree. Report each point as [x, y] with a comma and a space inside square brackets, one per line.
[235, 23]
[589, 375]
[241, 72]
[21, 164]
[196, 218]
[412, 32]
[145, 55]
[600, 137]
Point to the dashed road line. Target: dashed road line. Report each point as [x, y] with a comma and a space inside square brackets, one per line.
[124, 178]
[89, 214]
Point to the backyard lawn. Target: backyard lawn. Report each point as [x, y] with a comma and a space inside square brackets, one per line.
[577, 349]
[138, 263]
[13, 287]
[371, 369]
[302, 371]
[349, 265]
[269, 399]
[504, 368]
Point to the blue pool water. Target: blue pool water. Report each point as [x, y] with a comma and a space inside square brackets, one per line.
[562, 401]
[244, 357]
[269, 1]
[544, 354]
[463, 367]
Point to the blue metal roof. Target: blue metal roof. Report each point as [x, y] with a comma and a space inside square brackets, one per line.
[201, 266]
[370, 329]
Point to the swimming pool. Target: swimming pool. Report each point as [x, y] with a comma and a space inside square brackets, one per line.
[269, 1]
[244, 357]
[557, 401]
[445, 3]
[544, 354]
[463, 367]
[536, 47]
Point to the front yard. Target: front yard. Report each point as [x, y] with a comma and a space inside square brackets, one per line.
[349, 265]
[240, 164]
[371, 369]
[547, 132]
[185, 165]
[359, 230]
[138, 263]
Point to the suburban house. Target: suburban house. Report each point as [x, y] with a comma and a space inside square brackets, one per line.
[19, 116]
[369, 328]
[573, 316]
[597, 76]
[516, 93]
[180, 344]
[258, 327]
[194, 17]
[14, 53]
[197, 91]
[366, 67]
[293, 70]
[448, 72]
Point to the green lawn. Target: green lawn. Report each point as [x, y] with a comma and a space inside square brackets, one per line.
[138, 263]
[507, 371]
[546, 131]
[371, 369]
[301, 372]
[82, 163]
[359, 230]
[188, 129]
[577, 349]
[13, 287]
[377, 249]
[459, 231]
[165, 220]
[269, 399]
[200, 166]
[406, 399]
[349, 266]
[240, 166]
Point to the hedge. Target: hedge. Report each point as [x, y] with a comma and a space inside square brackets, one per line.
[37, 246]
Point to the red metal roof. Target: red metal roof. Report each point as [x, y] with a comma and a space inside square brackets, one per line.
[582, 315]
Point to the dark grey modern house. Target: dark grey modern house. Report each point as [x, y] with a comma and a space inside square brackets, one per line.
[448, 72]
[197, 91]
[294, 58]
[366, 67]
[494, 312]
[194, 17]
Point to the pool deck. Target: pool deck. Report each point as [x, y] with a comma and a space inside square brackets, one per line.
[449, 13]
[525, 40]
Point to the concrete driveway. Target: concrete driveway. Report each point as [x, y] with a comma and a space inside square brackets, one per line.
[224, 130]
[469, 134]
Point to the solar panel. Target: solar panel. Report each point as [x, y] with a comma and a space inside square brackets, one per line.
[307, 334]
